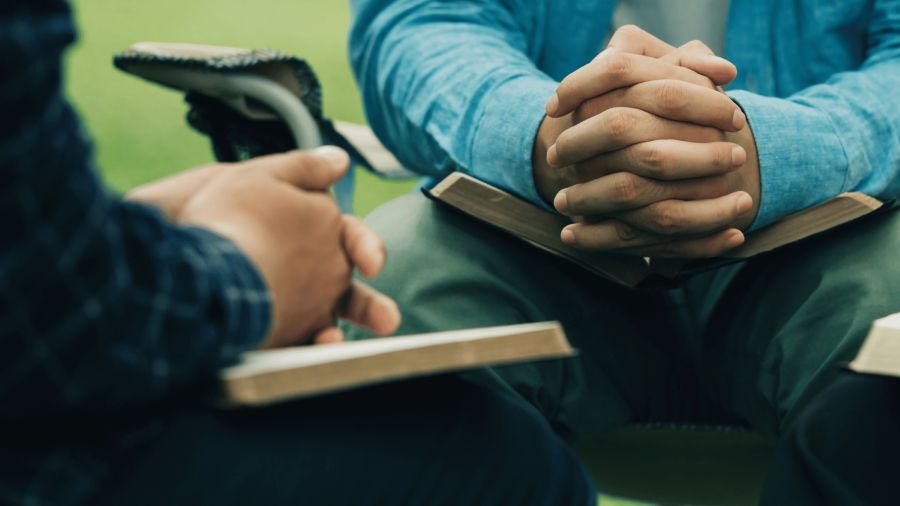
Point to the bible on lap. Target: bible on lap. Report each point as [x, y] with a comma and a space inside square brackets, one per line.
[542, 229]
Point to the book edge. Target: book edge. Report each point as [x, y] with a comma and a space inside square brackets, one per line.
[247, 390]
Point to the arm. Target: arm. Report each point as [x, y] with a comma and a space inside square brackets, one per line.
[105, 303]
[842, 135]
[450, 85]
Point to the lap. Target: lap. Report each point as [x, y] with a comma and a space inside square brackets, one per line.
[750, 344]
[436, 441]
[787, 321]
[448, 271]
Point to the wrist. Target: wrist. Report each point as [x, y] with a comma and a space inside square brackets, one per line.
[749, 173]
[549, 180]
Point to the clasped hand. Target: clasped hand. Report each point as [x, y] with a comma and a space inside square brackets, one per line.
[647, 154]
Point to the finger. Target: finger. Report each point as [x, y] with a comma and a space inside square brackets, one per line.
[314, 170]
[632, 39]
[618, 128]
[624, 191]
[687, 218]
[606, 235]
[369, 308]
[675, 100]
[666, 159]
[611, 70]
[698, 57]
[702, 247]
[365, 249]
[615, 236]
[328, 335]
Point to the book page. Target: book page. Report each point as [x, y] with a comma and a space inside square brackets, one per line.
[267, 360]
[880, 353]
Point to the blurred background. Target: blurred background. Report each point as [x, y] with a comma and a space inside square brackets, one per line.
[139, 128]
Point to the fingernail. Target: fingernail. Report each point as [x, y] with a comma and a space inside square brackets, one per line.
[743, 203]
[738, 157]
[735, 240]
[335, 155]
[738, 120]
[552, 104]
[552, 156]
[561, 202]
[567, 236]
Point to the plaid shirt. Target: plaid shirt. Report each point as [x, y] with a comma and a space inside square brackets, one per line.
[105, 307]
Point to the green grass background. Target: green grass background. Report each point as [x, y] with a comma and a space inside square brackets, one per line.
[139, 129]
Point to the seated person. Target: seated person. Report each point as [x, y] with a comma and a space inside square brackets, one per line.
[641, 147]
[116, 313]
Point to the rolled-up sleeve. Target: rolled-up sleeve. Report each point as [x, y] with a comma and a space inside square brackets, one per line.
[842, 135]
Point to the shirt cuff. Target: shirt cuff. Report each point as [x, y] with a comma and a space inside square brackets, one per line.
[239, 297]
[802, 161]
[503, 138]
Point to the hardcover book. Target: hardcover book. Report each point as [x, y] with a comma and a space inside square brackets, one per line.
[268, 376]
[542, 228]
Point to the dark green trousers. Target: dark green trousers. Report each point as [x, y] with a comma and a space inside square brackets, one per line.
[746, 344]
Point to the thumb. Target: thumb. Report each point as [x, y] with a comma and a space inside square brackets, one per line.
[313, 170]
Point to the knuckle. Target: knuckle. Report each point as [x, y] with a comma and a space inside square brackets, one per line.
[656, 160]
[668, 219]
[618, 64]
[625, 188]
[671, 95]
[618, 122]
[624, 232]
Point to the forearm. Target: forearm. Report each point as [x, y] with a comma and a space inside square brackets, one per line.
[450, 85]
[843, 135]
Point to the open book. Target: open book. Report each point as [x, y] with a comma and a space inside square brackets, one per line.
[542, 228]
[268, 376]
[880, 352]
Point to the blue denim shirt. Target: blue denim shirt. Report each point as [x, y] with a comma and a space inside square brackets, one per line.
[462, 85]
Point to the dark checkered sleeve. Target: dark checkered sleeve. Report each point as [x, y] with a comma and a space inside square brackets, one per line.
[103, 303]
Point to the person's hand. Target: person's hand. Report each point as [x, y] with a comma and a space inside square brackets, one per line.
[631, 58]
[278, 211]
[664, 167]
